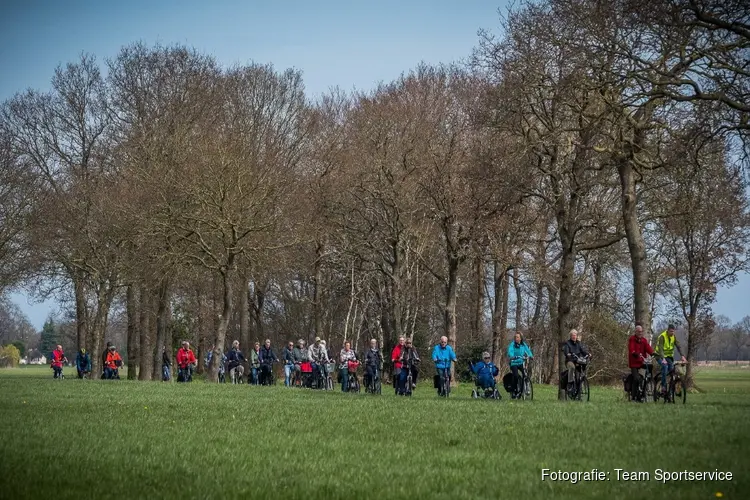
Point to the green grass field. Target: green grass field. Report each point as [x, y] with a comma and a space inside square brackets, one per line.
[86, 439]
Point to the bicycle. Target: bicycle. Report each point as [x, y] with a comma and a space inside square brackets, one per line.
[580, 390]
[352, 380]
[330, 369]
[527, 388]
[373, 383]
[676, 387]
[645, 388]
[443, 382]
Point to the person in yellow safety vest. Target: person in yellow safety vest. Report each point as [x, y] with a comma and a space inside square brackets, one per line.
[665, 346]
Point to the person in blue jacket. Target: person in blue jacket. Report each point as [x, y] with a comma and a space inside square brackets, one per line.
[486, 371]
[83, 363]
[442, 356]
[516, 352]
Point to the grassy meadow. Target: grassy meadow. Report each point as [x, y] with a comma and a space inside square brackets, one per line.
[85, 439]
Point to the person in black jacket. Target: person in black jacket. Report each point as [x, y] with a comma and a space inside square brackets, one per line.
[267, 358]
[166, 365]
[373, 360]
[573, 349]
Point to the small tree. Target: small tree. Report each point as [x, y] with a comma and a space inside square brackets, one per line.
[9, 356]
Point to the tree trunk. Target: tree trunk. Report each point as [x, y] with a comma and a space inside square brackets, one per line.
[132, 312]
[567, 268]
[162, 319]
[81, 312]
[636, 244]
[105, 295]
[598, 285]
[449, 315]
[244, 313]
[318, 291]
[692, 350]
[145, 351]
[478, 323]
[497, 312]
[537, 317]
[228, 277]
[202, 321]
[519, 298]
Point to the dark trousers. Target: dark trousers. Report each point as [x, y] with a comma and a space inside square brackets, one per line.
[636, 374]
[517, 372]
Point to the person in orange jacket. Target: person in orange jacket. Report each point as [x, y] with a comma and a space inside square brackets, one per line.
[112, 364]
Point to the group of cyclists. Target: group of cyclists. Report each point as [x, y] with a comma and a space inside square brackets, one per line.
[313, 366]
[640, 355]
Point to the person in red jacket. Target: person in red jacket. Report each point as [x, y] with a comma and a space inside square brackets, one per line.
[112, 364]
[58, 358]
[185, 362]
[396, 358]
[638, 348]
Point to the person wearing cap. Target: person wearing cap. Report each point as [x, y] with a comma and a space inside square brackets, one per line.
[287, 355]
[58, 358]
[665, 346]
[112, 364]
[409, 361]
[83, 363]
[185, 362]
[486, 371]
[573, 349]
[235, 358]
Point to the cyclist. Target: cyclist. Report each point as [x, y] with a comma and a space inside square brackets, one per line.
[443, 356]
[235, 358]
[409, 360]
[573, 349]
[319, 357]
[346, 355]
[58, 358]
[113, 364]
[83, 363]
[254, 364]
[288, 356]
[267, 358]
[185, 362]
[373, 360]
[486, 371]
[517, 350]
[396, 359]
[665, 346]
[638, 348]
[301, 355]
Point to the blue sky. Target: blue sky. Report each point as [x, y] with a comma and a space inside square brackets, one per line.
[350, 44]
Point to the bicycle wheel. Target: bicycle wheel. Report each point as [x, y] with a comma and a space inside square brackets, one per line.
[526, 391]
[679, 391]
[585, 394]
[329, 383]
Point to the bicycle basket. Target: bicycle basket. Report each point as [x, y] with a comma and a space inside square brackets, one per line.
[352, 366]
